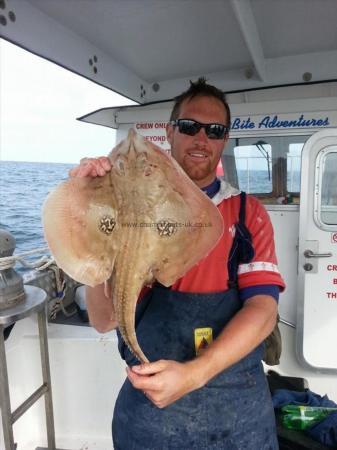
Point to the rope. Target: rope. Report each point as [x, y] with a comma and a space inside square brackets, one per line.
[15, 299]
[7, 262]
[46, 262]
[61, 288]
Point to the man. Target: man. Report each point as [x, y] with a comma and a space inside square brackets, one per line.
[218, 399]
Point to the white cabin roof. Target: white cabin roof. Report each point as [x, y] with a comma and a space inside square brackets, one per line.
[148, 50]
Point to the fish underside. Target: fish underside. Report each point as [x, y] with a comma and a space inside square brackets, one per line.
[143, 221]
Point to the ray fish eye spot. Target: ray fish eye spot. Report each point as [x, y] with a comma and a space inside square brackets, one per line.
[142, 159]
[107, 224]
[147, 171]
[143, 165]
[121, 165]
[166, 227]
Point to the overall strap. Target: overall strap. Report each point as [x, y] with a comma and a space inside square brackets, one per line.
[242, 250]
[242, 212]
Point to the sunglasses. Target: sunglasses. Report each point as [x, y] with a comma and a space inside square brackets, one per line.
[192, 127]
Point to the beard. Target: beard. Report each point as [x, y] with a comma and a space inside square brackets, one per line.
[198, 172]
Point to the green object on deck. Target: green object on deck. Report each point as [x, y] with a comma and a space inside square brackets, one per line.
[299, 417]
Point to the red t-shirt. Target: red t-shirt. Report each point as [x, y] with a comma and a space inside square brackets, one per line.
[211, 273]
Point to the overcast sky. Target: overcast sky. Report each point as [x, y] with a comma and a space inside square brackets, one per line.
[39, 105]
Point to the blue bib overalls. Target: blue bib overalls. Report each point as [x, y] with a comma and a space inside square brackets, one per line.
[233, 411]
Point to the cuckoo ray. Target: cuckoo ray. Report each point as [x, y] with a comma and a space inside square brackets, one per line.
[143, 221]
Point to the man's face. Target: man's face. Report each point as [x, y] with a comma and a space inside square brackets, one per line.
[198, 155]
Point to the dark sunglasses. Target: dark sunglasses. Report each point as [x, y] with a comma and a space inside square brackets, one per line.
[192, 127]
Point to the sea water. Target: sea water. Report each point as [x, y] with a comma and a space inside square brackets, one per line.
[23, 189]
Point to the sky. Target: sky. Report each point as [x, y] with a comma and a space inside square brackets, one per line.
[40, 102]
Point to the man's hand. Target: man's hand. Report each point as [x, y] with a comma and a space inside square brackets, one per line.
[163, 381]
[91, 167]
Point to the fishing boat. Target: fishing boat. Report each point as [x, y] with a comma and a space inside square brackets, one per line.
[277, 62]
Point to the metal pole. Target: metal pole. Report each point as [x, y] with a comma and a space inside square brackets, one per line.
[5, 402]
[29, 402]
[46, 379]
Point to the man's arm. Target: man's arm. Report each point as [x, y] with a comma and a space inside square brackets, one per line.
[164, 382]
[247, 329]
[100, 309]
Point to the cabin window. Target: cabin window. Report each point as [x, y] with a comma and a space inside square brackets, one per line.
[253, 166]
[327, 170]
[268, 167]
[294, 168]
